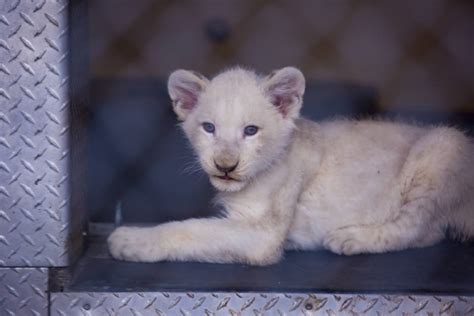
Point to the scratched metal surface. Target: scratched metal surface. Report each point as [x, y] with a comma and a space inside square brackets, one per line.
[34, 159]
[161, 303]
[23, 291]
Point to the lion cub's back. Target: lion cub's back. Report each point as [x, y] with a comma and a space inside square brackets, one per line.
[356, 176]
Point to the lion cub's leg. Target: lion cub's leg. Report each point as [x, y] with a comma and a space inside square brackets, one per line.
[410, 228]
[430, 185]
[207, 240]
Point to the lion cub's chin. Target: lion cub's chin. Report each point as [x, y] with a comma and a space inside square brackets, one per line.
[227, 185]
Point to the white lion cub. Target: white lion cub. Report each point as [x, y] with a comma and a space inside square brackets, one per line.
[289, 183]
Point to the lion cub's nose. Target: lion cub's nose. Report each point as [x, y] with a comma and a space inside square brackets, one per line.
[225, 169]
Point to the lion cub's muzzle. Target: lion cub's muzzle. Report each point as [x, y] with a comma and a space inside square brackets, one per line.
[226, 168]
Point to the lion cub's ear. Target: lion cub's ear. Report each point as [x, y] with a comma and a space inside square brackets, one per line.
[285, 89]
[184, 88]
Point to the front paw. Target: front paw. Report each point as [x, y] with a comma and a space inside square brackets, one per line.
[346, 241]
[133, 244]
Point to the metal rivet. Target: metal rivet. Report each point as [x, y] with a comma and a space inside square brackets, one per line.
[86, 307]
[308, 306]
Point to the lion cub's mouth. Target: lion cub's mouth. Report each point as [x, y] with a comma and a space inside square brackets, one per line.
[226, 177]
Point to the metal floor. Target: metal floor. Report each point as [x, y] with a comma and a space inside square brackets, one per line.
[445, 269]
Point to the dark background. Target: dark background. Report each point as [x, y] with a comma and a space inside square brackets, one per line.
[409, 60]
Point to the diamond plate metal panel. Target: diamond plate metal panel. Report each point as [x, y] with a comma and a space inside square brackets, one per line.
[34, 160]
[255, 304]
[23, 291]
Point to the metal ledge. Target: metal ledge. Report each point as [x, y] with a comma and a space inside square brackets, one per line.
[445, 269]
[431, 281]
[198, 303]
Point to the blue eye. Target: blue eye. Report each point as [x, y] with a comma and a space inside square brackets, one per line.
[250, 130]
[208, 127]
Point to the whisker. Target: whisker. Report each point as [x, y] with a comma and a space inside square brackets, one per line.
[191, 166]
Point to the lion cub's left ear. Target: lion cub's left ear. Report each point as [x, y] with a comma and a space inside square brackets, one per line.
[285, 89]
[184, 88]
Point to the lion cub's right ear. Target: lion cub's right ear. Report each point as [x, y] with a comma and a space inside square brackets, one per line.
[184, 88]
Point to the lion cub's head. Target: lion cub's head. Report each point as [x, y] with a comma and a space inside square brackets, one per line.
[238, 123]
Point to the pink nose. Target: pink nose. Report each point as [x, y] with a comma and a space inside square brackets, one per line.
[225, 169]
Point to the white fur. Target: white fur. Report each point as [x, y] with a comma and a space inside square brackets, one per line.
[348, 186]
